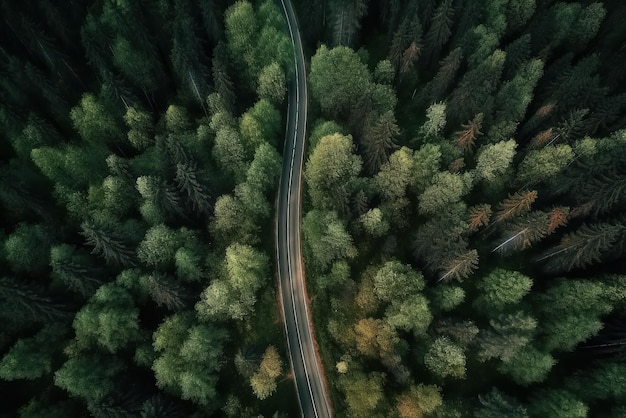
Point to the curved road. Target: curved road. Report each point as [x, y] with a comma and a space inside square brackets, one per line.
[304, 361]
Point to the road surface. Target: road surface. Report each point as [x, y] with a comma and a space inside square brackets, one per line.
[304, 362]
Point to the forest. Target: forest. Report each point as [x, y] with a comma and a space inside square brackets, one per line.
[464, 207]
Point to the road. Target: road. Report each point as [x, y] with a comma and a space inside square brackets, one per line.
[304, 362]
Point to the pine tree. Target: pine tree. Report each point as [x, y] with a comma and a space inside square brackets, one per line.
[479, 216]
[24, 303]
[74, 269]
[460, 266]
[515, 205]
[474, 92]
[587, 245]
[445, 76]
[466, 138]
[440, 29]
[108, 243]
[497, 405]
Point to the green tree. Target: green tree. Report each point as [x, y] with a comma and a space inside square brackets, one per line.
[557, 403]
[374, 223]
[326, 239]
[33, 357]
[110, 319]
[474, 92]
[189, 357]
[395, 175]
[494, 162]
[233, 295]
[528, 366]
[331, 168]
[94, 122]
[263, 382]
[272, 84]
[88, 376]
[27, 249]
[507, 335]
[364, 393]
[444, 358]
[419, 400]
[447, 188]
[496, 404]
[501, 289]
[75, 269]
[337, 91]
[544, 164]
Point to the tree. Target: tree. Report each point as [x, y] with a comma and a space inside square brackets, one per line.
[330, 169]
[507, 334]
[460, 265]
[378, 140]
[272, 84]
[515, 205]
[88, 376]
[528, 366]
[557, 403]
[466, 137]
[94, 122]
[233, 295]
[75, 269]
[159, 246]
[444, 298]
[445, 359]
[419, 400]
[544, 164]
[141, 130]
[189, 357]
[440, 29]
[479, 216]
[411, 313]
[263, 382]
[27, 249]
[326, 239]
[395, 175]
[500, 289]
[108, 243]
[474, 92]
[363, 392]
[229, 152]
[445, 76]
[374, 223]
[496, 404]
[31, 358]
[109, 319]
[337, 91]
[394, 280]
[494, 161]
[447, 188]
[585, 246]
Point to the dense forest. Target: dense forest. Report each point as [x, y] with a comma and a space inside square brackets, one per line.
[140, 153]
[465, 229]
[465, 207]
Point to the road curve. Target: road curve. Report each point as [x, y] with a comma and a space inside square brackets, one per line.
[304, 362]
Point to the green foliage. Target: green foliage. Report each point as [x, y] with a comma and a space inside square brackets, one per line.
[159, 246]
[495, 404]
[27, 249]
[272, 84]
[445, 359]
[233, 295]
[94, 123]
[337, 91]
[557, 403]
[189, 356]
[494, 161]
[528, 366]
[331, 168]
[31, 358]
[327, 239]
[501, 289]
[109, 319]
[88, 376]
[446, 189]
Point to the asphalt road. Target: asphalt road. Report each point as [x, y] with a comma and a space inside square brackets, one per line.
[303, 357]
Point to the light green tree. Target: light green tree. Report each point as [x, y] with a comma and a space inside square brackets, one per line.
[444, 358]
